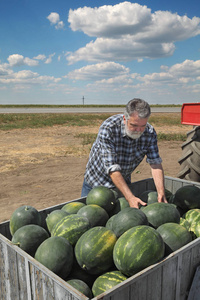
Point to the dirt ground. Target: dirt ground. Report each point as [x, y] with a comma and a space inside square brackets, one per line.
[44, 167]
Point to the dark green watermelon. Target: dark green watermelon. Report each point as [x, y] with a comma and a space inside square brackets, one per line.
[24, 215]
[96, 215]
[174, 236]
[159, 213]
[56, 253]
[127, 218]
[102, 196]
[81, 286]
[29, 237]
[187, 197]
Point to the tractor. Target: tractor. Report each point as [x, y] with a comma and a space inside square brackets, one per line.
[190, 159]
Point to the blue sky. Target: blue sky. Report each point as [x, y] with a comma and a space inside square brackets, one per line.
[56, 52]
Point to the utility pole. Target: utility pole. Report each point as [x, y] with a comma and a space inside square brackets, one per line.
[83, 100]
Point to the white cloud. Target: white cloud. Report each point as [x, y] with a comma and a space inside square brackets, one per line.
[128, 31]
[20, 60]
[49, 59]
[60, 25]
[40, 57]
[124, 49]
[54, 19]
[98, 71]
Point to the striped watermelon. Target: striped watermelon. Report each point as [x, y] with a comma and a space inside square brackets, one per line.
[107, 281]
[71, 227]
[72, 207]
[197, 230]
[138, 248]
[94, 250]
[54, 217]
[184, 223]
[191, 215]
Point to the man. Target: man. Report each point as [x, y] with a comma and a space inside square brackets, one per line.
[121, 144]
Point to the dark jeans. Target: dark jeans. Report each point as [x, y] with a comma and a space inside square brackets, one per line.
[85, 189]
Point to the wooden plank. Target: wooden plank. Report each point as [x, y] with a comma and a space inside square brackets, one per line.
[194, 293]
[169, 278]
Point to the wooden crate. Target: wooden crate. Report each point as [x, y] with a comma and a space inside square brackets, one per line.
[22, 277]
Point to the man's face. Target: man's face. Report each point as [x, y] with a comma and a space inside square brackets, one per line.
[135, 126]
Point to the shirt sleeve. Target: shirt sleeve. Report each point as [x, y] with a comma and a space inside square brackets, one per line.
[153, 156]
[108, 153]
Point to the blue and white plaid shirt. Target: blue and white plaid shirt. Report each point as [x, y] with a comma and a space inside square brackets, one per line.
[113, 150]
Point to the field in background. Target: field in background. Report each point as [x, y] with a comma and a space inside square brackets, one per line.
[24, 121]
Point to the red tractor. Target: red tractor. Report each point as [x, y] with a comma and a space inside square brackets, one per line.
[190, 159]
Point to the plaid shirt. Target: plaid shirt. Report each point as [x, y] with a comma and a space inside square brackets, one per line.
[113, 150]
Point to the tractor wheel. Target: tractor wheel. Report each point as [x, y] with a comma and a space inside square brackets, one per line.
[190, 159]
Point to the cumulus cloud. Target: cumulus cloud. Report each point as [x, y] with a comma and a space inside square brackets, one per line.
[20, 60]
[98, 71]
[128, 31]
[54, 19]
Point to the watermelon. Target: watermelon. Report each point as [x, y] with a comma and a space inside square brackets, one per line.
[196, 230]
[54, 217]
[127, 218]
[174, 236]
[107, 281]
[184, 223]
[94, 250]
[81, 286]
[109, 222]
[149, 196]
[138, 248]
[120, 204]
[187, 197]
[71, 227]
[24, 215]
[78, 273]
[96, 215]
[102, 196]
[72, 207]
[168, 194]
[192, 215]
[56, 253]
[29, 237]
[159, 213]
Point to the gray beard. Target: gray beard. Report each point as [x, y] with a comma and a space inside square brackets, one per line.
[133, 136]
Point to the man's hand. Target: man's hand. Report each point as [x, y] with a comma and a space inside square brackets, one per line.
[162, 198]
[136, 202]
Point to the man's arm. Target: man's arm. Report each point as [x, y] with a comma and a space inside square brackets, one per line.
[158, 177]
[121, 184]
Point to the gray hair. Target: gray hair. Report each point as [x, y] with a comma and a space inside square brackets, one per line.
[137, 105]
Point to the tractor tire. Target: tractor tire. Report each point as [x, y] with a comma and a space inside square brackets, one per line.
[190, 159]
